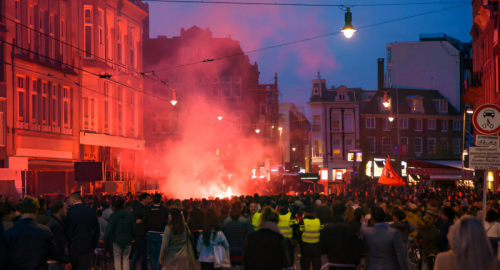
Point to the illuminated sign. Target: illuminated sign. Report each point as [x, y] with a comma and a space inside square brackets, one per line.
[323, 174]
[339, 175]
[359, 156]
[350, 157]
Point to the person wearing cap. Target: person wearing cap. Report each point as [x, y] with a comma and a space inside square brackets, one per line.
[310, 248]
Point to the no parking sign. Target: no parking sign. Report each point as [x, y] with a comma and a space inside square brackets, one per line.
[486, 119]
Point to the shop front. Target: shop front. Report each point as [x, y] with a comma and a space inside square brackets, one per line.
[443, 173]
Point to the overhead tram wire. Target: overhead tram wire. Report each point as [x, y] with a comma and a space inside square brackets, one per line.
[83, 70]
[303, 4]
[307, 39]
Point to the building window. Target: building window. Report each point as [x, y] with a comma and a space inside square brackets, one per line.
[62, 45]
[106, 117]
[403, 123]
[389, 55]
[431, 145]
[443, 143]
[45, 104]
[418, 145]
[88, 113]
[348, 123]
[2, 122]
[236, 86]
[444, 125]
[133, 61]
[102, 42]
[21, 98]
[418, 105]
[17, 6]
[120, 119]
[88, 27]
[386, 125]
[418, 124]
[389, 75]
[348, 142]
[457, 147]
[109, 39]
[54, 95]
[386, 145]
[120, 94]
[34, 103]
[66, 110]
[371, 144]
[456, 125]
[336, 147]
[154, 122]
[175, 122]
[164, 123]
[431, 124]
[214, 90]
[2, 66]
[403, 141]
[336, 122]
[52, 49]
[443, 106]
[226, 86]
[132, 122]
[237, 122]
[318, 149]
[119, 49]
[370, 123]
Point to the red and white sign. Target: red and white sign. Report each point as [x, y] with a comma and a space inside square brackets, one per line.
[486, 119]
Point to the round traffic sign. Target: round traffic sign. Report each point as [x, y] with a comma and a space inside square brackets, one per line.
[486, 119]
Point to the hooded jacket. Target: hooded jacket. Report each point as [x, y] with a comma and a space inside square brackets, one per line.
[415, 220]
[119, 228]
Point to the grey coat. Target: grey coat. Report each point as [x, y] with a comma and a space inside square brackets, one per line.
[385, 250]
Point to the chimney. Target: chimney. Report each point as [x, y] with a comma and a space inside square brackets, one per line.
[380, 75]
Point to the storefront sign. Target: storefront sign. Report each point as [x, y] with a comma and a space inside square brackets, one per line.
[436, 172]
[484, 158]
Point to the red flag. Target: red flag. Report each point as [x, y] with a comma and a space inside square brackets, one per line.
[389, 176]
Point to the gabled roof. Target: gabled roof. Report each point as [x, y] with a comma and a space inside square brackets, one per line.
[330, 95]
[430, 103]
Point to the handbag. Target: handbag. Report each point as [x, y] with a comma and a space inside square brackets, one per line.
[221, 255]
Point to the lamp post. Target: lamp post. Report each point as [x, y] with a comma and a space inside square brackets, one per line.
[386, 104]
[281, 156]
[464, 151]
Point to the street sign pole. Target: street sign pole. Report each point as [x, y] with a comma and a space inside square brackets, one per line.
[484, 196]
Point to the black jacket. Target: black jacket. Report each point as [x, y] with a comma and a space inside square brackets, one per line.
[139, 213]
[57, 228]
[324, 214]
[442, 240]
[29, 245]
[3, 248]
[196, 218]
[82, 228]
[235, 232]
[156, 218]
[340, 243]
[266, 249]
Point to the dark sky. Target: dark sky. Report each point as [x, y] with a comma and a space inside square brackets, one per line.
[351, 62]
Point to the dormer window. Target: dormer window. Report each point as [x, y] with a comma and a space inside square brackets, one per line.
[418, 105]
[443, 106]
[341, 96]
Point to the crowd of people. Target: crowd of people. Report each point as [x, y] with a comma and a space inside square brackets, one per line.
[384, 230]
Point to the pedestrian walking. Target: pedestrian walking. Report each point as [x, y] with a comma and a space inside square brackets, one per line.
[235, 231]
[83, 232]
[58, 228]
[140, 236]
[310, 248]
[119, 232]
[156, 219]
[176, 248]
[211, 236]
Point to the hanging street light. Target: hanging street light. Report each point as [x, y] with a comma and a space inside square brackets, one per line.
[385, 102]
[391, 118]
[293, 149]
[219, 117]
[257, 130]
[174, 100]
[348, 29]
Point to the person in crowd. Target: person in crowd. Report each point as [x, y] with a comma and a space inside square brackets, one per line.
[254, 208]
[340, 242]
[176, 248]
[3, 247]
[107, 211]
[359, 218]
[28, 244]
[119, 232]
[470, 248]
[156, 218]
[140, 237]
[196, 222]
[211, 236]
[442, 240]
[310, 248]
[102, 224]
[238, 205]
[224, 213]
[8, 214]
[385, 248]
[266, 248]
[294, 208]
[323, 211]
[458, 210]
[412, 217]
[491, 224]
[58, 228]
[387, 217]
[82, 229]
[235, 231]
[286, 225]
[42, 217]
[256, 215]
[402, 225]
[427, 235]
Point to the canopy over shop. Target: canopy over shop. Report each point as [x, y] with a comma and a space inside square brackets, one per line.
[441, 172]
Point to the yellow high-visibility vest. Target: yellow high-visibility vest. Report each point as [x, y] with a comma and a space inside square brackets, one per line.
[284, 225]
[255, 219]
[311, 230]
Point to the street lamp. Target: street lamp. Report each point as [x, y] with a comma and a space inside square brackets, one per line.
[386, 100]
[219, 117]
[293, 149]
[174, 100]
[257, 130]
[348, 29]
[391, 118]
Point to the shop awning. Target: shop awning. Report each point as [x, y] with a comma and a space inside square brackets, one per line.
[443, 164]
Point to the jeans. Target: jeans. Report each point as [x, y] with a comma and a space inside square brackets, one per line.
[140, 251]
[310, 252]
[121, 256]
[81, 261]
[154, 247]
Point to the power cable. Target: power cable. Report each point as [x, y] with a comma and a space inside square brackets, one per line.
[306, 39]
[302, 4]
